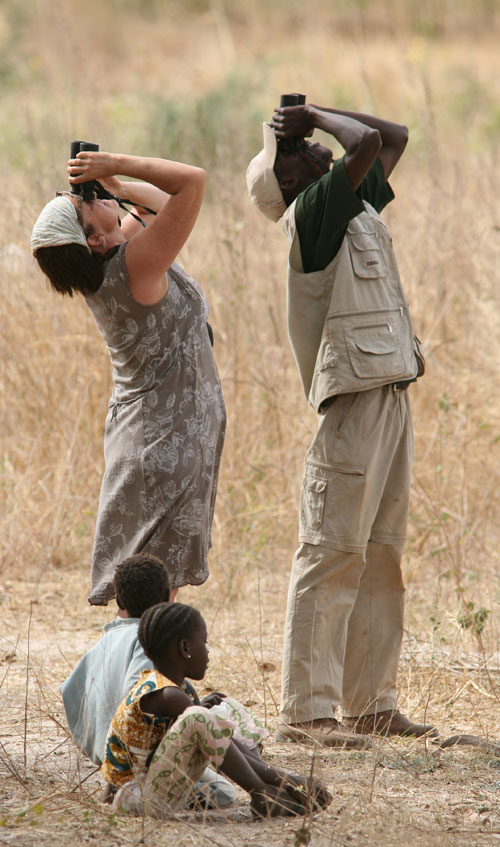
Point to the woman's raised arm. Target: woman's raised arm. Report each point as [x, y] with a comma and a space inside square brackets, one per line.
[151, 251]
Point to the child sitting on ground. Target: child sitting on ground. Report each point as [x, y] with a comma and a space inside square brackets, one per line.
[161, 738]
[107, 672]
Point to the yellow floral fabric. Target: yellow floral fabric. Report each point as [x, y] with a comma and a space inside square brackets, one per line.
[134, 735]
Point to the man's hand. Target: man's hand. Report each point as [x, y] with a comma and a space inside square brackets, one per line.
[293, 121]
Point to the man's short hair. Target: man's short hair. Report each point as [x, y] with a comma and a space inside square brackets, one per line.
[140, 581]
[262, 184]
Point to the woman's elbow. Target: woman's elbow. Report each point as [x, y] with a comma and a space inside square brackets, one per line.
[197, 182]
[200, 177]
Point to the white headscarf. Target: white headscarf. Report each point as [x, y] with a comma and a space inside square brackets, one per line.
[57, 224]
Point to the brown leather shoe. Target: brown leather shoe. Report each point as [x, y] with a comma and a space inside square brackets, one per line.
[389, 723]
[327, 732]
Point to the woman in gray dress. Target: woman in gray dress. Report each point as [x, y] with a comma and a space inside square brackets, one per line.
[165, 425]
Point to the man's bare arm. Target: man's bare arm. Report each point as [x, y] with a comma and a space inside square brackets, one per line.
[363, 137]
[394, 137]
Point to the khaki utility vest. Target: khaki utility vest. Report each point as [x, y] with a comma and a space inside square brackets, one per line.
[349, 324]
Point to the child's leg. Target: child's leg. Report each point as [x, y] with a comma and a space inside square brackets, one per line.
[248, 736]
[248, 729]
[196, 739]
[199, 738]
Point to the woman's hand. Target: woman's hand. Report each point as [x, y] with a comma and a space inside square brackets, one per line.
[90, 165]
[113, 185]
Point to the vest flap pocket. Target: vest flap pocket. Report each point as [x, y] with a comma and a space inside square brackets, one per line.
[379, 346]
[365, 240]
[374, 349]
[366, 255]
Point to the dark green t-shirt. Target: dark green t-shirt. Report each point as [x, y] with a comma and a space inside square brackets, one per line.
[324, 209]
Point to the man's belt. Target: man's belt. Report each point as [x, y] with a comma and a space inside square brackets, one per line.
[401, 386]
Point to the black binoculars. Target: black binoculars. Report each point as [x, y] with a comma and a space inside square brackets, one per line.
[288, 144]
[292, 100]
[86, 190]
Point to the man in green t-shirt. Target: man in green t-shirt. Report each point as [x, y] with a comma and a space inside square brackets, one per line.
[352, 337]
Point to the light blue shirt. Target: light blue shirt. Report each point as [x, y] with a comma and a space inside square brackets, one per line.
[100, 681]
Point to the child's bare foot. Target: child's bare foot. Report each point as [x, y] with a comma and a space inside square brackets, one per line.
[309, 792]
[272, 802]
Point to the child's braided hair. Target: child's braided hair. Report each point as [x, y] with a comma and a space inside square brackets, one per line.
[165, 624]
[140, 581]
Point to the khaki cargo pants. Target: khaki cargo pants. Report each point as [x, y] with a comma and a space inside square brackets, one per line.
[344, 620]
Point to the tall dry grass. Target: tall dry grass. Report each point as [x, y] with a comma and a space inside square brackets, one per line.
[194, 79]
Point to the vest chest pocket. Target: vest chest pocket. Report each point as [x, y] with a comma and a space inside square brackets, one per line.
[366, 255]
[312, 503]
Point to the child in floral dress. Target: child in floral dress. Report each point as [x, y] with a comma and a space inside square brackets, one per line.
[162, 737]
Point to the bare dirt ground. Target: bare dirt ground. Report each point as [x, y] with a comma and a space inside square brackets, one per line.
[399, 789]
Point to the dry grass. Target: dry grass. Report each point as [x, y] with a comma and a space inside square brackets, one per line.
[198, 77]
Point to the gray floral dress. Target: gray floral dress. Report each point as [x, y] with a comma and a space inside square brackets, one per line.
[164, 430]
